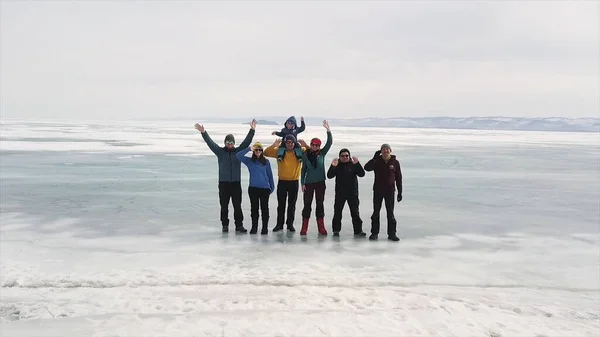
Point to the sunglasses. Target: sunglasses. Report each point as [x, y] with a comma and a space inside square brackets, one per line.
[315, 145]
[289, 142]
[229, 143]
[258, 150]
[344, 156]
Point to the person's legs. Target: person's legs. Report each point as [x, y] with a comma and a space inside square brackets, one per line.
[236, 200]
[292, 198]
[391, 219]
[338, 207]
[224, 195]
[320, 207]
[253, 194]
[264, 209]
[282, 191]
[281, 151]
[298, 152]
[308, 196]
[375, 223]
[353, 204]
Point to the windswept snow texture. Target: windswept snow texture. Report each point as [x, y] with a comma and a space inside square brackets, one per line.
[112, 230]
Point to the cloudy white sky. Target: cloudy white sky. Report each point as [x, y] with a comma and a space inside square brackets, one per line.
[126, 59]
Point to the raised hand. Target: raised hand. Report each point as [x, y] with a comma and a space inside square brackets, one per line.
[354, 160]
[334, 162]
[199, 127]
[253, 124]
[301, 119]
[273, 133]
[302, 143]
[277, 142]
[326, 125]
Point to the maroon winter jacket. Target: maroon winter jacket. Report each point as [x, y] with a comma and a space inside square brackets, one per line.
[388, 176]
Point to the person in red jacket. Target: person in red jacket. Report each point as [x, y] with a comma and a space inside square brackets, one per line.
[388, 178]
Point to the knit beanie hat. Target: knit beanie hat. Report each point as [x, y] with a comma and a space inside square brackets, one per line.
[344, 150]
[230, 138]
[386, 145]
[290, 137]
[315, 141]
[257, 145]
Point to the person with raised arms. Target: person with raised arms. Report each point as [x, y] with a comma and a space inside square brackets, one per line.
[388, 179]
[288, 171]
[230, 187]
[346, 173]
[260, 187]
[313, 181]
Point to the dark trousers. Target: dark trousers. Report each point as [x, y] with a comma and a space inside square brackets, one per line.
[286, 189]
[338, 206]
[233, 191]
[259, 197]
[388, 197]
[316, 190]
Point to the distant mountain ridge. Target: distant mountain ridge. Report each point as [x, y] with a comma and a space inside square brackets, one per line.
[477, 123]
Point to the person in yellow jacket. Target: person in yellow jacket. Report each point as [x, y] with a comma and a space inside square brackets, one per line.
[288, 183]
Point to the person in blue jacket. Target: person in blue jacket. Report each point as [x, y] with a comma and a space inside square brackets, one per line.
[229, 175]
[260, 187]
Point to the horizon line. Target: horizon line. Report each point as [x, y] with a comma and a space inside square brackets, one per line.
[287, 116]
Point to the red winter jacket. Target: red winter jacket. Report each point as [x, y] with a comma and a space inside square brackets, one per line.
[388, 175]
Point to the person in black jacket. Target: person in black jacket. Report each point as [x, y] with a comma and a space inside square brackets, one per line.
[388, 179]
[346, 190]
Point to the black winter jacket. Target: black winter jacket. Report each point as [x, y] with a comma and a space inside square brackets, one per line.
[346, 174]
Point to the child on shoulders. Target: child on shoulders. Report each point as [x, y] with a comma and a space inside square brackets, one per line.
[291, 128]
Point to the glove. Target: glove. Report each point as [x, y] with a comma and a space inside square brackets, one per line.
[399, 198]
[377, 153]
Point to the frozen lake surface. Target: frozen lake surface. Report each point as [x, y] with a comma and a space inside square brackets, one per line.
[111, 229]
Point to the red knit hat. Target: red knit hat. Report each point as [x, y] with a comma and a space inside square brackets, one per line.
[315, 141]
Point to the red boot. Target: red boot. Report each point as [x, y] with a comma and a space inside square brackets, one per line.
[304, 226]
[321, 226]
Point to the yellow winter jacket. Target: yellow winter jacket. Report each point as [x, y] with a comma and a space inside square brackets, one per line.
[289, 168]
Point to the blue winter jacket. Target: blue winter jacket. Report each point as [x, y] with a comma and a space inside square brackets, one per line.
[229, 165]
[261, 176]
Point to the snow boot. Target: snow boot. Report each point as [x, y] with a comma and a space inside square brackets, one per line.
[321, 226]
[304, 229]
[265, 230]
[254, 229]
[241, 229]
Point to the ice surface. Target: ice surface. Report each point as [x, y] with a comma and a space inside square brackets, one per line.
[280, 285]
[111, 229]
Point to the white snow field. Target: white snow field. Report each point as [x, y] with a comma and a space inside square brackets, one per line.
[499, 238]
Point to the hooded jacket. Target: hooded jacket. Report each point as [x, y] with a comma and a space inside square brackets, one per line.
[388, 175]
[346, 175]
[294, 131]
[230, 167]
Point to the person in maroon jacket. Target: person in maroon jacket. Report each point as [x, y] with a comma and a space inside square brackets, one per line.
[388, 178]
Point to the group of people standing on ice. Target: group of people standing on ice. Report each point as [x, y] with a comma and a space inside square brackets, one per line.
[301, 165]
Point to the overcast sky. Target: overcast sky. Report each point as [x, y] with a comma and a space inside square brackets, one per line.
[126, 59]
